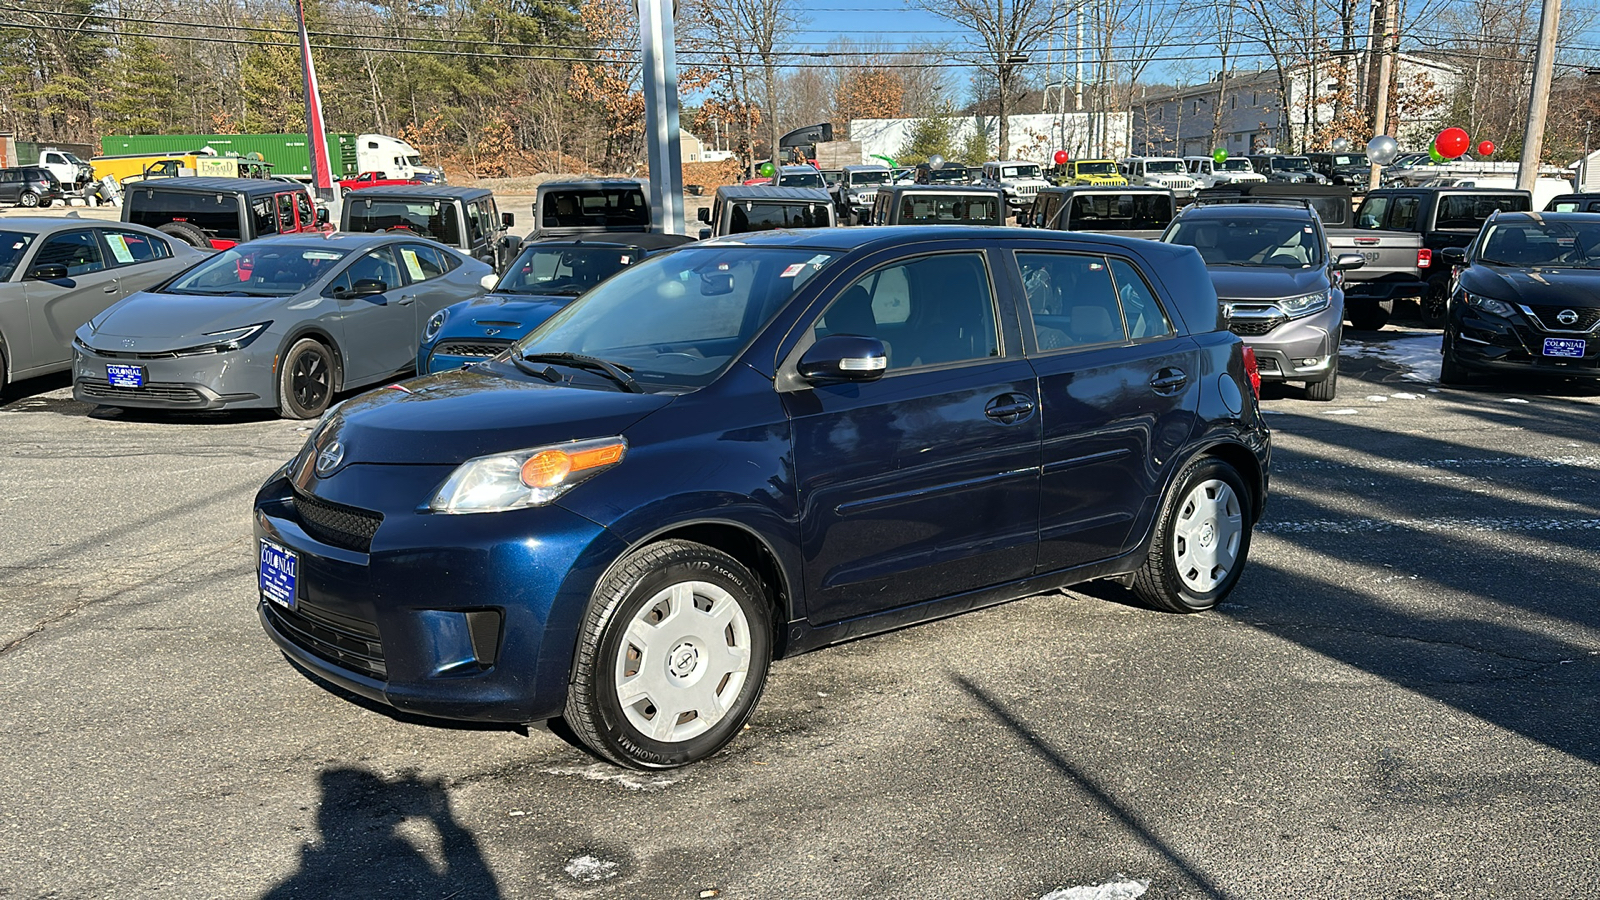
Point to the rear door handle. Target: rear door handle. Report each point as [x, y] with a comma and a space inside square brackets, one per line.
[1169, 381]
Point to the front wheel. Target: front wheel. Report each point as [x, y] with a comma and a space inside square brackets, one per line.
[1324, 390]
[305, 380]
[1450, 371]
[1201, 540]
[672, 657]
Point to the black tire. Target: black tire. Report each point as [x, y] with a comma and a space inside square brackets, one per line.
[187, 233]
[306, 380]
[1169, 578]
[1435, 305]
[28, 199]
[637, 589]
[1324, 390]
[1369, 315]
[1451, 371]
[5, 366]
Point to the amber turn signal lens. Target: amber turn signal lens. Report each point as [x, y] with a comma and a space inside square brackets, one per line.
[546, 468]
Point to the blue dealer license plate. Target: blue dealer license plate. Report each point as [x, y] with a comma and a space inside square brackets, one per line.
[128, 376]
[1570, 348]
[279, 570]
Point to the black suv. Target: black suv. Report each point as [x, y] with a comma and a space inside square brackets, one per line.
[465, 218]
[1527, 298]
[29, 186]
[218, 213]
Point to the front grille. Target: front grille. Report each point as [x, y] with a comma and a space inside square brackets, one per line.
[170, 393]
[349, 643]
[163, 354]
[337, 524]
[1546, 317]
[480, 348]
[1255, 327]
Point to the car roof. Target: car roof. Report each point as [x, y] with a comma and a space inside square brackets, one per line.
[1256, 210]
[1535, 215]
[349, 240]
[886, 236]
[772, 192]
[213, 185]
[591, 183]
[941, 189]
[52, 224]
[425, 191]
[868, 167]
[1104, 189]
[1011, 162]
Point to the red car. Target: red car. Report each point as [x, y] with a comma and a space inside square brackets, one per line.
[372, 179]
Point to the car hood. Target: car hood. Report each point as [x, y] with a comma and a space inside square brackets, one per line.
[158, 322]
[503, 311]
[1577, 288]
[1244, 283]
[450, 417]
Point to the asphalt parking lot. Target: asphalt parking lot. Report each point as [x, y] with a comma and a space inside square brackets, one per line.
[1399, 701]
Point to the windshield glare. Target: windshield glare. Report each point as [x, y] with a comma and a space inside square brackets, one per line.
[1163, 167]
[1097, 168]
[251, 270]
[1237, 164]
[1291, 163]
[680, 319]
[564, 271]
[1020, 172]
[1246, 241]
[12, 245]
[801, 179]
[1525, 244]
[869, 177]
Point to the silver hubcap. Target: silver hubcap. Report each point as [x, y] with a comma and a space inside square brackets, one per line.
[1207, 534]
[683, 661]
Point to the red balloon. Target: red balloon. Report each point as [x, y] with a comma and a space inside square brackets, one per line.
[1486, 148]
[1452, 142]
[1062, 157]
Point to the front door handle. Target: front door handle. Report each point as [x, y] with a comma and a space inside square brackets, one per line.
[1169, 381]
[111, 289]
[407, 299]
[1009, 408]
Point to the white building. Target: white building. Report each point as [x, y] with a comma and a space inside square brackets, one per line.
[1033, 137]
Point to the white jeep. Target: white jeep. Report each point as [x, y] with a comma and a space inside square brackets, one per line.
[1159, 171]
[1208, 173]
[1020, 180]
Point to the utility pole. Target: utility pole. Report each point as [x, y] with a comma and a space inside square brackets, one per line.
[662, 150]
[1380, 120]
[1544, 60]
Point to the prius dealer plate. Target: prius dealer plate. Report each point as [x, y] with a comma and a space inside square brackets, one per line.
[279, 570]
[133, 376]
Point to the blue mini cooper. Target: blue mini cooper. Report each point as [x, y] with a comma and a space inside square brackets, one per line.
[751, 448]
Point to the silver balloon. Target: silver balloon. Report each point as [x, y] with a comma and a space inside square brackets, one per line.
[936, 161]
[1382, 150]
[1340, 145]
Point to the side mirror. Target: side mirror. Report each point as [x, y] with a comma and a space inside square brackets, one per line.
[322, 216]
[864, 217]
[366, 287]
[705, 234]
[844, 357]
[47, 273]
[1344, 262]
[507, 220]
[703, 214]
[489, 281]
[1455, 256]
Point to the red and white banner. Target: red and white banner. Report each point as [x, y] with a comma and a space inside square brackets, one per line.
[316, 130]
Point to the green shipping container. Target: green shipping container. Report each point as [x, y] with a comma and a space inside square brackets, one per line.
[288, 153]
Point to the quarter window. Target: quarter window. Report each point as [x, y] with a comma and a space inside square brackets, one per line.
[77, 250]
[929, 311]
[1072, 299]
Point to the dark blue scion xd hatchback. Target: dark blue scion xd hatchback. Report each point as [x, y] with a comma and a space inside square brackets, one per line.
[756, 447]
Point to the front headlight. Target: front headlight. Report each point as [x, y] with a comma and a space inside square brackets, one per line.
[1305, 304]
[1491, 306]
[435, 324]
[523, 478]
[227, 341]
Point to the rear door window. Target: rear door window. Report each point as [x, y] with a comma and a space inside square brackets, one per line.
[1073, 300]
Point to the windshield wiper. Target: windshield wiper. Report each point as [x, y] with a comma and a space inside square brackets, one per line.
[545, 372]
[616, 373]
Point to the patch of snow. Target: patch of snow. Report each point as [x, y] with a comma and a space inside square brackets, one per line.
[1419, 356]
[1405, 396]
[590, 870]
[633, 781]
[1342, 412]
[1514, 399]
[1127, 889]
[1377, 398]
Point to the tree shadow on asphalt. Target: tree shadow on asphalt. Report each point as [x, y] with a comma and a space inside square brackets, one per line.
[387, 839]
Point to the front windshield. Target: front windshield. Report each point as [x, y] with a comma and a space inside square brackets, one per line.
[428, 218]
[1250, 241]
[413, 160]
[13, 244]
[1348, 159]
[259, 270]
[869, 177]
[1097, 168]
[1574, 245]
[1164, 167]
[74, 159]
[801, 179]
[1237, 164]
[564, 271]
[1020, 172]
[948, 175]
[680, 319]
[1291, 163]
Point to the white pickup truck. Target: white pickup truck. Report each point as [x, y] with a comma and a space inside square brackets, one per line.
[73, 173]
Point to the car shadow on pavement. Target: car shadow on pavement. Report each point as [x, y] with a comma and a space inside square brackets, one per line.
[1129, 818]
[394, 839]
[399, 715]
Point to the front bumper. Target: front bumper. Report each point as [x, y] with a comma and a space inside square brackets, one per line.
[471, 617]
[1302, 349]
[238, 379]
[1487, 343]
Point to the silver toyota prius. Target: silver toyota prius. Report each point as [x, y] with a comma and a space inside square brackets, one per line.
[278, 323]
[57, 273]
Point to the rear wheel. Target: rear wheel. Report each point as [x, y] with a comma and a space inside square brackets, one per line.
[187, 233]
[672, 657]
[1201, 541]
[305, 380]
[1369, 315]
[28, 199]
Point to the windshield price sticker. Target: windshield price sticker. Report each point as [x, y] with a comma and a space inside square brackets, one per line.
[792, 271]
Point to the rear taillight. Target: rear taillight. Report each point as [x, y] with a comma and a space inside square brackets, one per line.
[1424, 258]
[1252, 371]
